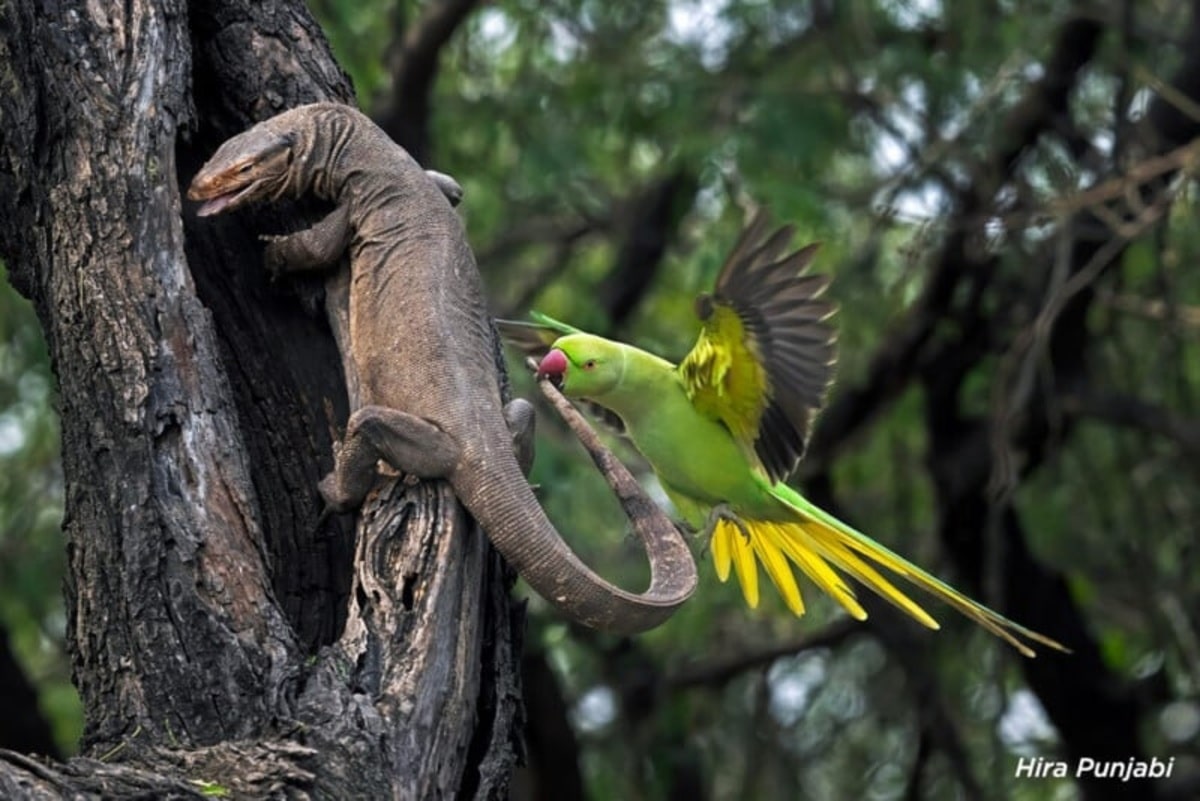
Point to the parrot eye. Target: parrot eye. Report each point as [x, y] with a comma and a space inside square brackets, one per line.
[590, 364]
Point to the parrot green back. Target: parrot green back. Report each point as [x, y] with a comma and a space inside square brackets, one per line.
[694, 455]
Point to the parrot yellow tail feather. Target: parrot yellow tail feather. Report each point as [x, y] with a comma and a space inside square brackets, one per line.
[817, 542]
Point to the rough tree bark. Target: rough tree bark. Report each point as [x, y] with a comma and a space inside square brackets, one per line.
[220, 634]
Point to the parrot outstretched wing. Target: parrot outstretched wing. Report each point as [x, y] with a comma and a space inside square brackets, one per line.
[764, 358]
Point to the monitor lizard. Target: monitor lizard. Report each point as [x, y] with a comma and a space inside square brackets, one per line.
[417, 346]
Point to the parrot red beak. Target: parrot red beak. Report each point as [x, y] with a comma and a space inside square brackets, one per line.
[553, 366]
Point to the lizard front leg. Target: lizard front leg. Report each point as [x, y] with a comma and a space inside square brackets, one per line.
[324, 243]
[313, 248]
[404, 441]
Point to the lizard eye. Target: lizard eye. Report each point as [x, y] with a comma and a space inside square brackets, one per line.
[245, 168]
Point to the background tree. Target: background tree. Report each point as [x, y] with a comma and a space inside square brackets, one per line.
[1004, 191]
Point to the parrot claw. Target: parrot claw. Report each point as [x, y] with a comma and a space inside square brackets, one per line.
[722, 512]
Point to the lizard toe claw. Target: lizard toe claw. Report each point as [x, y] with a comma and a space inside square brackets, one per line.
[335, 500]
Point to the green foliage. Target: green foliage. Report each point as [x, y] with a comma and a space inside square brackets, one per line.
[31, 503]
[211, 789]
[857, 133]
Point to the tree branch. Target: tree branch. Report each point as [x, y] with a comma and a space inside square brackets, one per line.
[894, 365]
[404, 111]
[716, 674]
[1128, 411]
[1094, 711]
[648, 222]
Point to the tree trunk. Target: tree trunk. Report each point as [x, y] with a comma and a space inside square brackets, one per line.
[220, 634]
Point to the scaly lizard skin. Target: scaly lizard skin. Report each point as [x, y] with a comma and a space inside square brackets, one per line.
[417, 348]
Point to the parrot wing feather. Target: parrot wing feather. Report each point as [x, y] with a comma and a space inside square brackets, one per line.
[764, 358]
[533, 338]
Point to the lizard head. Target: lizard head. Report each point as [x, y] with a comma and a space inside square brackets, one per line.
[251, 166]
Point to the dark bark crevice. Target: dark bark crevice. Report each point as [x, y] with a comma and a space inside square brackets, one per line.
[276, 345]
[554, 772]
[22, 727]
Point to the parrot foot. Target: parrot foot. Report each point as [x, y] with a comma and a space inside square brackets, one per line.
[722, 512]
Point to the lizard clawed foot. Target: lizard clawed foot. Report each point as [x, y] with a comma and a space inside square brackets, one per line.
[273, 259]
[336, 501]
[327, 512]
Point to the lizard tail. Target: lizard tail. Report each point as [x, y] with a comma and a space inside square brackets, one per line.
[504, 505]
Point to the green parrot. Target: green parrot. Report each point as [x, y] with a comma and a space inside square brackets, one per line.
[725, 428]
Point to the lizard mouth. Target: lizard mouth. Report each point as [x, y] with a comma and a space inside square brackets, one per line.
[223, 201]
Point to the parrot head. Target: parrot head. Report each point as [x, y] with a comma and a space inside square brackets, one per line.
[584, 366]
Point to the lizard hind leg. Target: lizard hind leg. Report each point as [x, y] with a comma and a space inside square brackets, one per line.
[408, 443]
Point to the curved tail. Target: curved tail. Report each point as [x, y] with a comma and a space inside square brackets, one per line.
[817, 542]
[502, 502]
